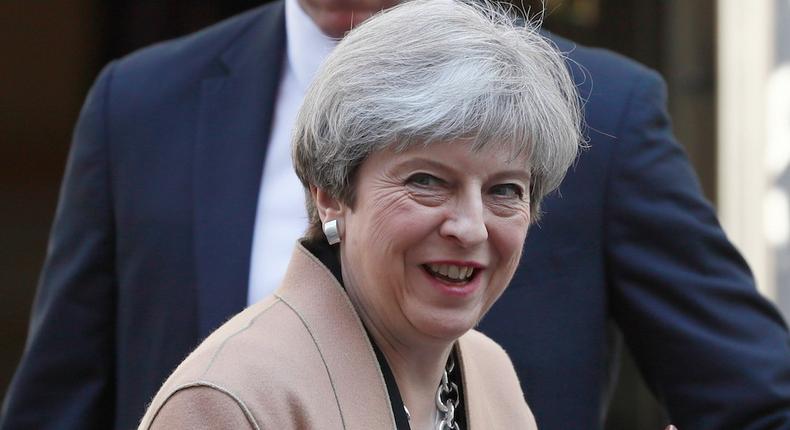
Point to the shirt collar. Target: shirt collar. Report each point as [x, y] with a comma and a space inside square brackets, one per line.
[307, 46]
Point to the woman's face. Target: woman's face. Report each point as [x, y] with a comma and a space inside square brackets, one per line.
[434, 238]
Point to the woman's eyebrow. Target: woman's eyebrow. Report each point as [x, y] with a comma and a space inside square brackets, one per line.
[523, 175]
[423, 162]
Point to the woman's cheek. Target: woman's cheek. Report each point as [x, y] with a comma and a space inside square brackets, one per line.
[392, 214]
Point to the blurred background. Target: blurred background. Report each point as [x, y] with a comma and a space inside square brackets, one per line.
[726, 62]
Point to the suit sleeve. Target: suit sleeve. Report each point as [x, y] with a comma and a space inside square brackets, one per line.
[714, 351]
[65, 377]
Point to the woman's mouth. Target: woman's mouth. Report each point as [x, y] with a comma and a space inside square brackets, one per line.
[451, 273]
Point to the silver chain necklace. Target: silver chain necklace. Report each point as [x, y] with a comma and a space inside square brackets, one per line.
[447, 399]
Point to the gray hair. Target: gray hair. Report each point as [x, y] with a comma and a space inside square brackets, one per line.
[430, 71]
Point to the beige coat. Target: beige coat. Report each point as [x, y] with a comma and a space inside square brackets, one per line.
[301, 359]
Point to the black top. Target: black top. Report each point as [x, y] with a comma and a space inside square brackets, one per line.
[327, 254]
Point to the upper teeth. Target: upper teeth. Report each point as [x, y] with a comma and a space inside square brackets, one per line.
[452, 271]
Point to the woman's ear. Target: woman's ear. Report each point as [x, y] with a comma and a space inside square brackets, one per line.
[328, 207]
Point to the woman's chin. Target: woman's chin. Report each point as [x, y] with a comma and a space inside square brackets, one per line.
[444, 326]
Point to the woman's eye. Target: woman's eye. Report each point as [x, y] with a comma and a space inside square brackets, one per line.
[424, 180]
[508, 190]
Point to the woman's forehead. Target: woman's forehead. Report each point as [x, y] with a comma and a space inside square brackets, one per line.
[511, 151]
[452, 155]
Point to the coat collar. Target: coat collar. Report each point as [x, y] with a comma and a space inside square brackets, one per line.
[233, 126]
[312, 292]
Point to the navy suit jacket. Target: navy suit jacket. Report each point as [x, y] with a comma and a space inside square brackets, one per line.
[150, 249]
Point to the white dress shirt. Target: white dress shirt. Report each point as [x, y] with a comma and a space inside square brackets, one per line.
[281, 218]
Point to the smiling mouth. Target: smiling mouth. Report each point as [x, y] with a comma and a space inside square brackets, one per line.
[450, 273]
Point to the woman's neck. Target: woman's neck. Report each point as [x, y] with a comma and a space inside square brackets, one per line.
[418, 372]
[417, 362]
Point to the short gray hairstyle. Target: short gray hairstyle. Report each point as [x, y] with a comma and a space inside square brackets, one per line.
[430, 71]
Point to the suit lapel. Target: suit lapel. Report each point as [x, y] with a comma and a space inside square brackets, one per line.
[234, 120]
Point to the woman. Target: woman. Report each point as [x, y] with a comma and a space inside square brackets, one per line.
[426, 144]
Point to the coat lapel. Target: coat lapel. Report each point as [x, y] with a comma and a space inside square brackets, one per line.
[234, 120]
[312, 292]
[491, 389]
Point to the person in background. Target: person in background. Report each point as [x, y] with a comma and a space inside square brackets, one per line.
[425, 144]
[179, 208]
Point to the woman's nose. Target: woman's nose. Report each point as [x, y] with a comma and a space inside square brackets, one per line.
[465, 222]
